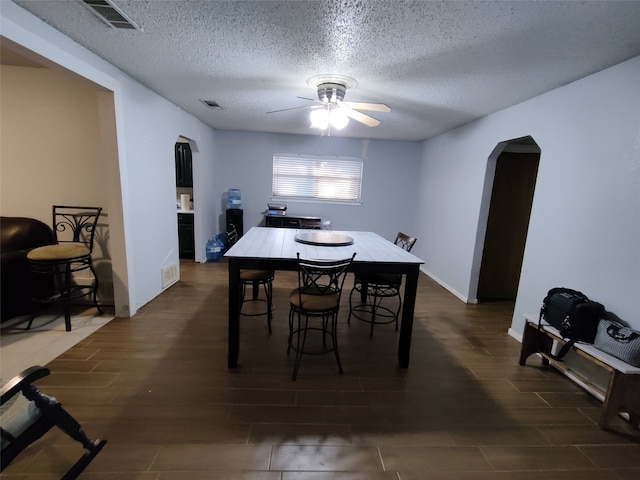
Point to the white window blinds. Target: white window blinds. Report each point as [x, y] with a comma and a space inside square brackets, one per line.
[308, 177]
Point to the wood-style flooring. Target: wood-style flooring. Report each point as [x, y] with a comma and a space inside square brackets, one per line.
[157, 387]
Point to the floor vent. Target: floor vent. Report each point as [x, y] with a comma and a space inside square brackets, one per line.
[169, 275]
[106, 11]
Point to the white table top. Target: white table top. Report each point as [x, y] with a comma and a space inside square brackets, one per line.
[279, 243]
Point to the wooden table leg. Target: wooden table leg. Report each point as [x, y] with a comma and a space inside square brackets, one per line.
[234, 313]
[408, 309]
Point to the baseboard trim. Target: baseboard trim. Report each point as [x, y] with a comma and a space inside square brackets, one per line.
[452, 290]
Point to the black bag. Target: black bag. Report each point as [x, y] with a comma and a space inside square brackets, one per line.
[573, 314]
[619, 341]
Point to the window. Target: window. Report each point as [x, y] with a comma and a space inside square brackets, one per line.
[306, 177]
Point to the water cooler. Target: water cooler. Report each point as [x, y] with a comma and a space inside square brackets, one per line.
[234, 217]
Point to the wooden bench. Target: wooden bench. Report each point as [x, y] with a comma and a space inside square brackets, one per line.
[28, 414]
[623, 390]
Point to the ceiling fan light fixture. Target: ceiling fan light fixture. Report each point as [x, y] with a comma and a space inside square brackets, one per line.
[330, 110]
[324, 117]
[319, 118]
[331, 92]
[338, 119]
[327, 78]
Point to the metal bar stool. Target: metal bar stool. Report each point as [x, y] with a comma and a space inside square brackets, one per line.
[317, 297]
[374, 288]
[254, 306]
[73, 230]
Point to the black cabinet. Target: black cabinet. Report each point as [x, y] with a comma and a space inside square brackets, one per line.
[288, 221]
[184, 166]
[186, 236]
[234, 217]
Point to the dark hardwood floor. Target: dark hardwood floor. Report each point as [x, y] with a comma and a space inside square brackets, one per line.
[157, 387]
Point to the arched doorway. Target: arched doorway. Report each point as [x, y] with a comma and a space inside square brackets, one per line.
[510, 182]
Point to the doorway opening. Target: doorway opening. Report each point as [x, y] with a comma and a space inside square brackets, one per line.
[509, 187]
[184, 199]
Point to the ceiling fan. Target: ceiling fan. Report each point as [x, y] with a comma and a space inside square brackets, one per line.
[330, 110]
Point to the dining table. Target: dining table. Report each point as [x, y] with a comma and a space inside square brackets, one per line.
[268, 248]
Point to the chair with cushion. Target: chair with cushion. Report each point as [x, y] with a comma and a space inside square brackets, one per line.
[314, 307]
[68, 261]
[373, 288]
[27, 414]
[254, 306]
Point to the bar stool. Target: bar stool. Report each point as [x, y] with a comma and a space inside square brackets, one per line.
[316, 298]
[254, 306]
[374, 288]
[73, 230]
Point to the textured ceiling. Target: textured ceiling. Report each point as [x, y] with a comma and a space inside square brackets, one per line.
[438, 65]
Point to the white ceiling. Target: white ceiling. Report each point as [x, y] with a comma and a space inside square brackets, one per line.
[438, 65]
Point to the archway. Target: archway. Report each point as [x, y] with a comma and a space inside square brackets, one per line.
[504, 219]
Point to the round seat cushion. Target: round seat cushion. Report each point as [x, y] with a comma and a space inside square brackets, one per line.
[253, 275]
[59, 253]
[314, 303]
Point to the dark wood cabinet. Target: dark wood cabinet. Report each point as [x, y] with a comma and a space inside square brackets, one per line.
[288, 221]
[186, 236]
[184, 165]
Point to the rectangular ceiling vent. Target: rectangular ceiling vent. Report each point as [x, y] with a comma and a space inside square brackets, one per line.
[110, 14]
[212, 104]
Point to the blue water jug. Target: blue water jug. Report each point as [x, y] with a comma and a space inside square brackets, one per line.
[215, 248]
[234, 198]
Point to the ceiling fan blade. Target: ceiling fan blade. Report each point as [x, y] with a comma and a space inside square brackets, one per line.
[310, 99]
[361, 117]
[374, 107]
[294, 108]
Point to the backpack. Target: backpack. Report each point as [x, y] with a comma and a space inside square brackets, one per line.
[573, 314]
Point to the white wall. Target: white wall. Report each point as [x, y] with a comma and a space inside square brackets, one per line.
[151, 126]
[584, 231]
[390, 185]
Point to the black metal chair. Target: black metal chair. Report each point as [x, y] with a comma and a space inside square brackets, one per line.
[74, 229]
[318, 295]
[249, 307]
[27, 414]
[373, 288]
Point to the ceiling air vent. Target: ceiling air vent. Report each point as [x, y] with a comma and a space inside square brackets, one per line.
[110, 14]
[212, 104]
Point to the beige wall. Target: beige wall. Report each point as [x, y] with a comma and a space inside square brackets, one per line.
[53, 149]
[49, 132]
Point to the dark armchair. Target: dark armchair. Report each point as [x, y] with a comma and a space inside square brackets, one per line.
[19, 235]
